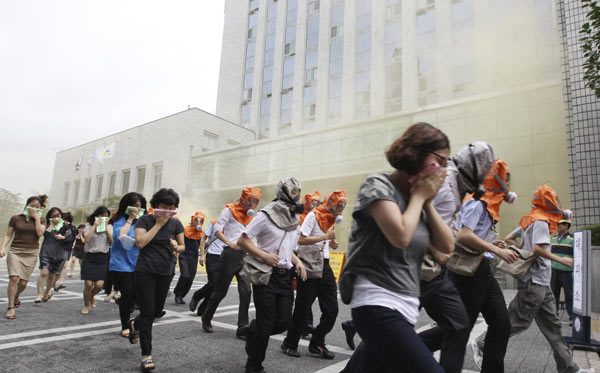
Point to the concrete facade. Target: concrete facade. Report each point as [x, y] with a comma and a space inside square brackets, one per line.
[162, 148]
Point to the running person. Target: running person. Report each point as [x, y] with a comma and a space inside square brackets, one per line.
[98, 238]
[534, 299]
[210, 256]
[234, 218]
[317, 229]
[159, 237]
[52, 254]
[23, 235]
[188, 260]
[124, 253]
[394, 222]
[480, 292]
[275, 231]
[78, 249]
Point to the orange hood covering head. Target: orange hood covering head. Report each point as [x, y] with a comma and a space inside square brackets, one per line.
[497, 189]
[545, 206]
[330, 211]
[239, 210]
[190, 231]
[308, 200]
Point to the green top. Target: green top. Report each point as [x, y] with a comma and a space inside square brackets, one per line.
[562, 246]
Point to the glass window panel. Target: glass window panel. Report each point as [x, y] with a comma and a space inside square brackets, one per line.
[336, 50]
[462, 10]
[363, 80]
[425, 22]
[248, 80]
[363, 60]
[251, 49]
[245, 113]
[426, 64]
[337, 15]
[268, 74]
[252, 20]
[270, 41]
[311, 59]
[336, 67]
[288, 66]
[393, 32]
[292, 11]
[363, 42]
[335, 87]
[290, 34]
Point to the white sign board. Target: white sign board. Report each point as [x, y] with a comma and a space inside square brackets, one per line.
[578, 253]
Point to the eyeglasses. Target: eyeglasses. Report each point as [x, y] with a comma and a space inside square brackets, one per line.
[443, 160]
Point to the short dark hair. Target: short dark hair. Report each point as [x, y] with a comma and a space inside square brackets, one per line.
[128, 199]
[81, 226]
[41, 199]
[97, 212]
[67, 216]
[49, 213]
[409, 151]
[166, 197]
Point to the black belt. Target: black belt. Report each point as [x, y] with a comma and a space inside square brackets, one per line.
[326, 260]
[280, 271]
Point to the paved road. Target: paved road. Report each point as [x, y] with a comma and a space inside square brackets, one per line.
[56, 337]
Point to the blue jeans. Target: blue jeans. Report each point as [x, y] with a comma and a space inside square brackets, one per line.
[390, 342]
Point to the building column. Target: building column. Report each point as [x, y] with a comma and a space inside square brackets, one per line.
[259, 61]
[409, 56]
[278, 69]
[444, 45]
[299, 63]
[323, 64]
[378, 58]
[348, 74]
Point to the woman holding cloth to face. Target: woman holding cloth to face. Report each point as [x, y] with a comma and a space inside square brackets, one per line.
[159, 237]
[394, 222]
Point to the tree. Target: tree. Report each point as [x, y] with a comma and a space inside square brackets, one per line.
[590, 32]
[10, 204]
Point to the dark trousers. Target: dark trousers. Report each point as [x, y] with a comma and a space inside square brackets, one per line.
[230, 264]
[389, 343]
[151, 292]
[326, 290]
[443, 304]
[108, 282]
[212, 264]
[563, 279]
[188, 265]
[481, 293]
[125, 283]
[273, 304]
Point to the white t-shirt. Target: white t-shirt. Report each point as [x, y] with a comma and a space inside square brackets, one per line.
[444, 202]
[233, 229]
[216, 247]
[368, 294]
[310, 227]
[272, 239]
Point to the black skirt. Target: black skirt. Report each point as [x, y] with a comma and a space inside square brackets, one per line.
[94, 266]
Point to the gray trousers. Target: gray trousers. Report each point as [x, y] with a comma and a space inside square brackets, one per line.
[536, 302]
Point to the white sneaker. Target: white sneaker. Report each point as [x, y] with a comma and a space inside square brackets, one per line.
[587, 370]
[477, 354]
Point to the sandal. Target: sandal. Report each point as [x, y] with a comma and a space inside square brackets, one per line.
[62, 286]
[133, 335]
[10, 317]
[17, 302]
[47, 299]
[108, 298]
[93, 302]
[147, 365]
[125, 333]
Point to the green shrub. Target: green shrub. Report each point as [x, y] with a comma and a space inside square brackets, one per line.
[595, 234]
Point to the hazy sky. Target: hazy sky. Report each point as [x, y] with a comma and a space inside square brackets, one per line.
[72, 71]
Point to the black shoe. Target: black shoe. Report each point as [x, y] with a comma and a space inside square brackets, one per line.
[259, 370]
[179, 300]
[242, 332]
[160, 314]
[207, 326]
[193, 304]
[321, 351]
[293, 352]
[348, 328]
[307, 331]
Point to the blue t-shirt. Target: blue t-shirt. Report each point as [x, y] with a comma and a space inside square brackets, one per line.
[122, 259]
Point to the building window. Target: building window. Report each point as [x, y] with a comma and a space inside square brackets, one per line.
[66, 195]
[76, 185]
[157, 170]
[87, 189]
[245, 119]
[112, 180]
[426, 54]
[99, 183]
[210, 139]
[336, 62]
[311, 63]
[141, 179]
[310, 104]
[462, 45]
[125, 175]
[286, 113]
[393, 57]
[363, 60]
[267, 84]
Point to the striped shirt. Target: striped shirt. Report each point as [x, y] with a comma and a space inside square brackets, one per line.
[562, 246]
